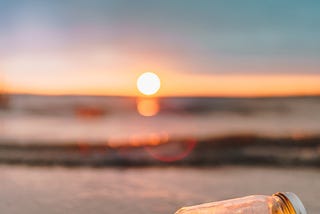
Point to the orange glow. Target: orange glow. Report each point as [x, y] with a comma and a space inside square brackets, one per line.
[136, 140]
[181, 84]
[102, 72]
[154, 139]
[246, 85]
[148, 106]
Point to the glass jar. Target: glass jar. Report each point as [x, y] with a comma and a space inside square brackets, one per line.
[279, 203]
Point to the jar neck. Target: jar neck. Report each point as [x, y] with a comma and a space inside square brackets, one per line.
[284, 203]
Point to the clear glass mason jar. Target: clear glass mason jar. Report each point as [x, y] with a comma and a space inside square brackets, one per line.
[279, 203]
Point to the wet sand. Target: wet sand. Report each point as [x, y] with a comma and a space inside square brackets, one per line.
[51, 190]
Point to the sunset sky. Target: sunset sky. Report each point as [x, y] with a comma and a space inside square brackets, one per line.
[198, 48]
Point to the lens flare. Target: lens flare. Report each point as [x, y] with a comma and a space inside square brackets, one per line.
[173, 151]
[148, 83]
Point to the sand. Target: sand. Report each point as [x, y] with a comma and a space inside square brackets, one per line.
[51, 190]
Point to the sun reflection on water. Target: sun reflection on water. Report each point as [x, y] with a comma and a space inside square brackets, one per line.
[148, 106]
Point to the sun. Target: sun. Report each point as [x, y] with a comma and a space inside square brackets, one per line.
[148, 83]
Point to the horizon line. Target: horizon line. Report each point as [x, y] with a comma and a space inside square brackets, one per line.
[162, 96]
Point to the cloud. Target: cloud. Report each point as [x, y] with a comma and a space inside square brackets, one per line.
[192, 36]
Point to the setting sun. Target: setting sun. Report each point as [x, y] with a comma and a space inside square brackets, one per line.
[148, 83]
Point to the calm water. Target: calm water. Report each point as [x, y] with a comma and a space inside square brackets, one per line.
[33, 119]
[145, 190]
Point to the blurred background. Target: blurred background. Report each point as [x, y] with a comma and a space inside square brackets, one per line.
[147, 106]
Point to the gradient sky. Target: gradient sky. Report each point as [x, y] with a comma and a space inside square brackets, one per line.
[206, 47]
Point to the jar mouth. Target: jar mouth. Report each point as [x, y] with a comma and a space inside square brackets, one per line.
[292, 202]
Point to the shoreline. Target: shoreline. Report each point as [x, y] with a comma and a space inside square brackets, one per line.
[228, 150]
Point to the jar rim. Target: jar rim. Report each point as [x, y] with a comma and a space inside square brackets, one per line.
[293, 200]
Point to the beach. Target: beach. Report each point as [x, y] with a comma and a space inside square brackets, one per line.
[145, 107]
[53, 190]
[98, 155]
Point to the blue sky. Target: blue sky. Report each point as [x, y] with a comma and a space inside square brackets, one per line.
[191, 36]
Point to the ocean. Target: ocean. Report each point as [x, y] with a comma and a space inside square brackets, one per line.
[69, 119]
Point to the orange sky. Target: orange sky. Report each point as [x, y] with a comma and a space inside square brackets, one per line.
[198, 48]
[185, 84]
[104, 73]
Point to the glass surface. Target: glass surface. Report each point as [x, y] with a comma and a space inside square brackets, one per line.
[256, 204]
